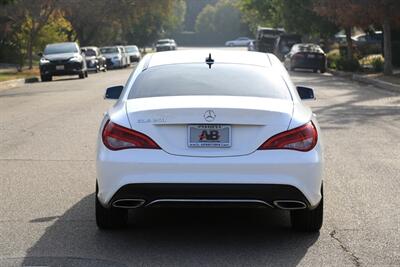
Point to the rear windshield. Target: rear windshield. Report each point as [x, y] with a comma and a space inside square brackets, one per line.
[109, 50]
[131, 49]
[61, 48]
[163, 42]
[308, 48]
[198, 79]
[90, 52]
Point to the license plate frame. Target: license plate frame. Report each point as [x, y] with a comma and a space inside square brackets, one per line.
[201, 135]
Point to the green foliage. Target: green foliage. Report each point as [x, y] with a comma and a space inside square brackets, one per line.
[194, 7]
[220, 22]
[55, 31]
[333, 57]
[295, 16]
[340, 62]
[345, 64]
[298, 16]
[377, 64]
[261, 12]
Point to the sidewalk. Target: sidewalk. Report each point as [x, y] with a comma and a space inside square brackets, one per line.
[389, 83]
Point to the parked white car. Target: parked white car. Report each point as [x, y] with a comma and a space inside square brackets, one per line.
[115, 57]
[181, 135]
[241, 41]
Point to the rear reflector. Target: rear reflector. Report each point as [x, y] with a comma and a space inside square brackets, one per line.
[117, 137]
[303, 138]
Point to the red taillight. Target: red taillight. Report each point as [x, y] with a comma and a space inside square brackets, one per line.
[303, 138]
[116, 137]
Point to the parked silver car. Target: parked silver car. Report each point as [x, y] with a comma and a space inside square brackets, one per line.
[115, 57]
[165, 45]
[241, 41]
[133, 53]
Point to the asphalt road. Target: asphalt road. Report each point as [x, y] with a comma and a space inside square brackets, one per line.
[48, 133]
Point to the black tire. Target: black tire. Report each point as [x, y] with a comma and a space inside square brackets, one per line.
[308, 220]
[110, 218]
[82, 75]
[322, 70]
[46, 78]
[86, 74]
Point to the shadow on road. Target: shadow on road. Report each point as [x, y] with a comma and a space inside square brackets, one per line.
[171, 237]
[354, 102]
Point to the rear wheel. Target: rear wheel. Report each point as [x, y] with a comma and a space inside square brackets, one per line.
[46, 78]
[86, 74]
[322, 70]
[110, 218]
[82, 75]
[308, 220]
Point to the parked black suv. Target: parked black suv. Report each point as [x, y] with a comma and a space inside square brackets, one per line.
[62, 59]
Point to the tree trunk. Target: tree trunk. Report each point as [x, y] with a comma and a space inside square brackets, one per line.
[349, 43]
[30, 45]
[387, 47]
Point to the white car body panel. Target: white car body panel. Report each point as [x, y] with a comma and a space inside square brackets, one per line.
[165, 119]
[302, 170]
[253, 120]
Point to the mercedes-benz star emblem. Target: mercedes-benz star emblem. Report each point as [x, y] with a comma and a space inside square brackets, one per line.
[209, 115]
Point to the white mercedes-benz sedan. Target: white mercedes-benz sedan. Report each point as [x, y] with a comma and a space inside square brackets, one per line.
[209, 128]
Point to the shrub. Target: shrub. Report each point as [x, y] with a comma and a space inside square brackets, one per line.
[332, 57]
[377, 64]
[348, 65]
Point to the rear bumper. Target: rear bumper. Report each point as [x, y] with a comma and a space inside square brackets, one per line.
[309, 64]
[209, 195]
[265, 175]
[70, 68]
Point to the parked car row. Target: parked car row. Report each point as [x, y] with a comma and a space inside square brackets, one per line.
[68, 58]
[289, 48]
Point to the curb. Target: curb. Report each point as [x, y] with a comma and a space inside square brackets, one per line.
[360, 78]
[17, 83]
[381, 84]
[11, 84]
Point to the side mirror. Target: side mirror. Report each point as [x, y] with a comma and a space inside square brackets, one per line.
[305, 93]
[40, 54]
[113, 92]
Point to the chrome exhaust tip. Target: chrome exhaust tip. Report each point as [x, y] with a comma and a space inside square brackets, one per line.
[290, 204]
[128, 203]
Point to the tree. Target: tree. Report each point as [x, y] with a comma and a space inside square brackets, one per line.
[363, 13]
[27, 18]
[385, 13]
[194, 7]
[261, 12]
[221, 21]
[299, 17]
[342, 13]
[296, 16]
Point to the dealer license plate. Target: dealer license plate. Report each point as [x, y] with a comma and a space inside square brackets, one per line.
[209, 135]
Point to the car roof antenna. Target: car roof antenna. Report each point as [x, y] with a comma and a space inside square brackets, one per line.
[209, 61]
